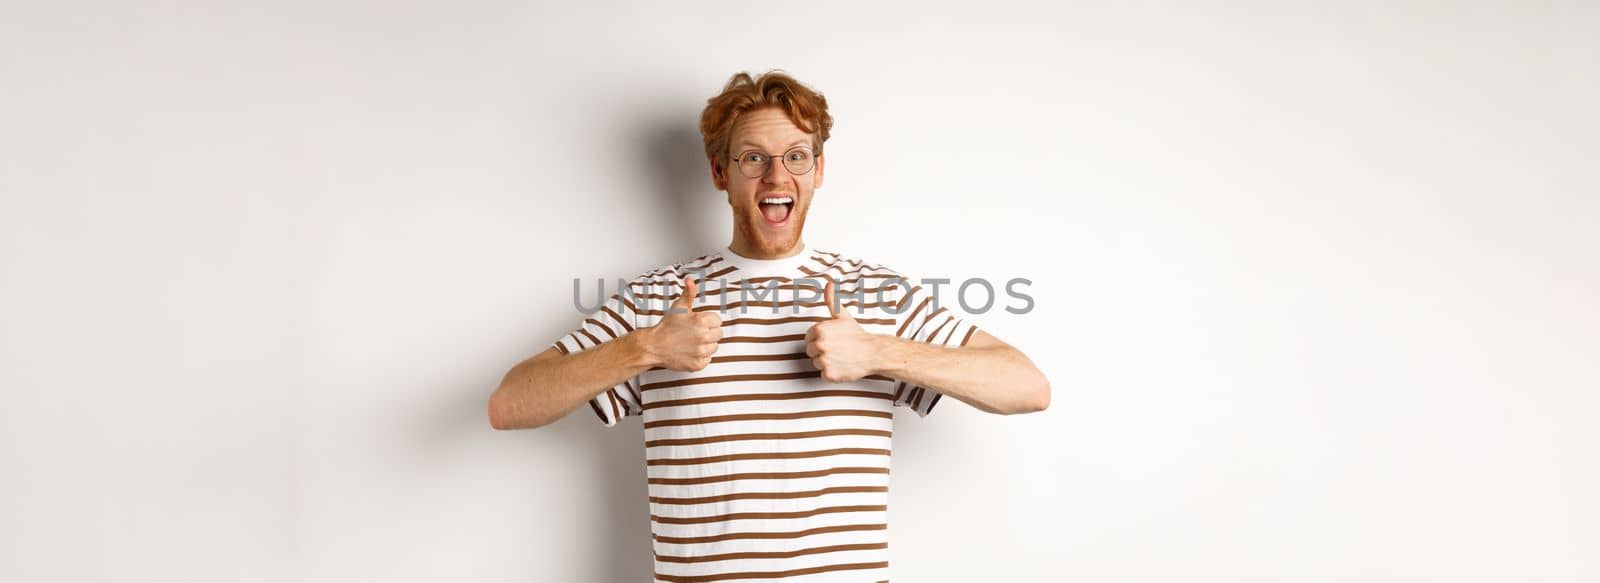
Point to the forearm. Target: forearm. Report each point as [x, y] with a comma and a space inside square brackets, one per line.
[994, 378]
[543, 389]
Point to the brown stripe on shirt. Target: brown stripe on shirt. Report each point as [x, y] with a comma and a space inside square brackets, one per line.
[759, 357]
[769, 574]
[794, 319]
[768, 515]
[768, 417]
[772, 554]
[760, 339]
[685, 540]
[781, 376]
[781, 455]
[766, 397]
[767, 476]
[626, 325]
[754, 436]
[902, 331]
[768, 495]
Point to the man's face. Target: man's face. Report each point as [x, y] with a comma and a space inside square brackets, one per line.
[766, 230]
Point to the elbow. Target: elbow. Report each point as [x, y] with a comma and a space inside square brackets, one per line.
[502, 418]
[1042, 400]
[1038, 398]
[497, 415]
[1034, 394]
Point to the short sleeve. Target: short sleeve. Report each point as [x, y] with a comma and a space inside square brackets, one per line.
[615, 318]
[922, 317]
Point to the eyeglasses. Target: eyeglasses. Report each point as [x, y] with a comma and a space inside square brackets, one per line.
[754, 163]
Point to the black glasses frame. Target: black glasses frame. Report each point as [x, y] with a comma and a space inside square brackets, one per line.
[739, 161]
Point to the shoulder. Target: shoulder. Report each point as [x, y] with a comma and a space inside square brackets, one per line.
[671, 276]
[824, 261]
[849, 269]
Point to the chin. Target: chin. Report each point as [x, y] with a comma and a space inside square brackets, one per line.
[768, 241]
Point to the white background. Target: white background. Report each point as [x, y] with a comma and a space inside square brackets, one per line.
[1316, 284]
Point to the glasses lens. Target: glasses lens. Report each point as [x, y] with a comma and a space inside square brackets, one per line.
[798, 161]
[753, 164]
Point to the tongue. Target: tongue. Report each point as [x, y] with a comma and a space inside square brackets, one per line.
[775, 212]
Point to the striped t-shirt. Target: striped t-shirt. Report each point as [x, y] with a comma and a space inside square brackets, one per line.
[757, 468]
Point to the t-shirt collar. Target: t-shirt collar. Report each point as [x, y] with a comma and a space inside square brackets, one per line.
[782, 266]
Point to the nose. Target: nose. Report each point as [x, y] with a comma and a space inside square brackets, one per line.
[775, 172]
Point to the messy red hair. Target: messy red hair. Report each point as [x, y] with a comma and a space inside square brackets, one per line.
[806, 108]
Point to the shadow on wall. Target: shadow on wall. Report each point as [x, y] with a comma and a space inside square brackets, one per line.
[696, 214]
[681, 190]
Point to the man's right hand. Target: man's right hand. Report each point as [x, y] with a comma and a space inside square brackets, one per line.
[684, 340]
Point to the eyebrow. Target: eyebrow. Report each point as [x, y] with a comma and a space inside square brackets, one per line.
[799, 142]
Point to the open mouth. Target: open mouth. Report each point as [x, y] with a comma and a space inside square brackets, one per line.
[776, 209]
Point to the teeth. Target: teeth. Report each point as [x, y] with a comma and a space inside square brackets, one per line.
[777, 200]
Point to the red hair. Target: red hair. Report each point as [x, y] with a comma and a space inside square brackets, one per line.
[806, 108]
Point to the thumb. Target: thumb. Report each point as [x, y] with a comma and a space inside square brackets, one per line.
[685, 300]
[834, 309]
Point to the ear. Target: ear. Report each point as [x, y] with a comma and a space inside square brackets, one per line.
[719, 176]
[821, 161]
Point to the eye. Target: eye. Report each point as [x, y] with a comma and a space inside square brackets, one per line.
[755, 158]
[799, 155]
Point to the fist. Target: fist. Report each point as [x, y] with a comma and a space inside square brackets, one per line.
[685, 340]
[839, 346]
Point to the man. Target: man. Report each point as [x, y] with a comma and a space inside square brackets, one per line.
[766, 372]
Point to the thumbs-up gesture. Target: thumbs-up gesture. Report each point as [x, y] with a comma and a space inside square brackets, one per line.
[684, 340]
[839, 346]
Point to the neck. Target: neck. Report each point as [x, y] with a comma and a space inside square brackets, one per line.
[747, 249]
